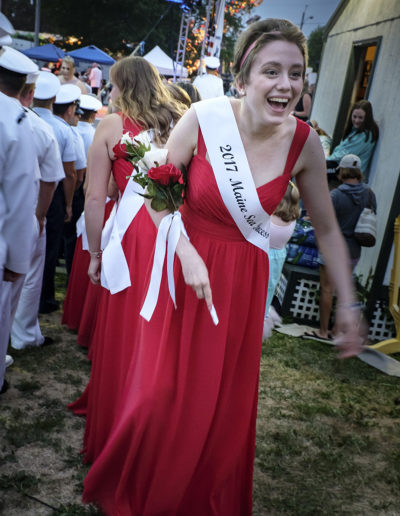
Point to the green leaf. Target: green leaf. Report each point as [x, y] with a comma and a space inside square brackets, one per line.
[151, 189]
[158, 204]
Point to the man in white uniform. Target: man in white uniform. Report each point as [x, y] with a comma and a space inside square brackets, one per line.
[79, 197]
[209, 84]
[61, 206]
[17, 175]
[89, 105]
[25, 329]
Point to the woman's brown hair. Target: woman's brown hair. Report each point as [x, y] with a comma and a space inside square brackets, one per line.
[144, 98]
[264, 32]
[369, 126]
[350, 173]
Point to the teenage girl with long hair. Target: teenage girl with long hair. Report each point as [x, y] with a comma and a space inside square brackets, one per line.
[143, 103]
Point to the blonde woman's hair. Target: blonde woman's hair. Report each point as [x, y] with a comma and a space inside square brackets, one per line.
[289, 207]
[318, 129]
[179, 94]
[69, 60]
[144, 98]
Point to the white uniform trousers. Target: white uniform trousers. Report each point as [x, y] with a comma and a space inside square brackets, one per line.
[25, 327]
[5, 318]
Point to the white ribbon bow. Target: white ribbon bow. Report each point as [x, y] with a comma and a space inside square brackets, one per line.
[169, 232]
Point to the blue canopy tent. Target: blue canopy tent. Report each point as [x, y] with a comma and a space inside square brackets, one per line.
[45, 53]
[92, 54]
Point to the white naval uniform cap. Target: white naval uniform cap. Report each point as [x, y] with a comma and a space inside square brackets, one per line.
[211, 62]
[90, 103]
[17, 62]
[5, 26]
[68, 93]
[31, 78]
[47, 86]
[5, 40]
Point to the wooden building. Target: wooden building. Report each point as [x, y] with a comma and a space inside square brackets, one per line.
[361, 60]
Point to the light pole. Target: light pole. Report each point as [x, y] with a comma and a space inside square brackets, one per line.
[303, 17]
[37, 22]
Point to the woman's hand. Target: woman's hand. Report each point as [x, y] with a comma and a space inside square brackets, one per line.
[195, 273]
[112, 189]
[94, 270]
[351, 331]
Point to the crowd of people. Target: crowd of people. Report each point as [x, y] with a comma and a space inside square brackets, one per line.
[175, 348]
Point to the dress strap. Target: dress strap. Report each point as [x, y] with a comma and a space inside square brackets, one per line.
[129, 125]
[299, 139]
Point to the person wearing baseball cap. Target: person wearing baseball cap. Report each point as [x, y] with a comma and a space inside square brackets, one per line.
[349, 200]
[17, 177]
[60, 210]
[210, 85]
[25, 329]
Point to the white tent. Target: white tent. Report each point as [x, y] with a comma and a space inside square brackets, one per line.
[164, 64]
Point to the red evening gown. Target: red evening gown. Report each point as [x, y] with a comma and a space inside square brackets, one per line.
[184, 437]
[113, 343]
[80, 304]
[77, 286]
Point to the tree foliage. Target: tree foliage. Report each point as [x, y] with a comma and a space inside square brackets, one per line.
[111, 25]
[118, 26]
[315, 44]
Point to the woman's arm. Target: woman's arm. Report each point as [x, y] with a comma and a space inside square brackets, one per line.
[181, 146]
[98, 173]
[306, 106]
[312, 183]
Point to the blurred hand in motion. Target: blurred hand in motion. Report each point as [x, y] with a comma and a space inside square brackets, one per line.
[351, 331]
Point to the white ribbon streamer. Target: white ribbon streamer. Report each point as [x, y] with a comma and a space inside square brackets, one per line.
[115, 274]
[81, 229]
[168, 235]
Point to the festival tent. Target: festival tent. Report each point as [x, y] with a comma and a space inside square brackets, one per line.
[164, 64]
[45, 53]
[91, 54]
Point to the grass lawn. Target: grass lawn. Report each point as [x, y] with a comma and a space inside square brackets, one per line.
[328, 439]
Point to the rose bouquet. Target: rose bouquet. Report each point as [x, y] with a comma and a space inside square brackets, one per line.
[163, 182]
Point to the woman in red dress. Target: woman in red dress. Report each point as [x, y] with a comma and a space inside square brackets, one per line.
[183, 440]
[144, 103]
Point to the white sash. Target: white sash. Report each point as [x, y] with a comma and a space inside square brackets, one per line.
[81, 229]
[232, 171]
[114, 267]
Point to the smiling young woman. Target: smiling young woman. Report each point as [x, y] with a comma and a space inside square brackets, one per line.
[184, 436]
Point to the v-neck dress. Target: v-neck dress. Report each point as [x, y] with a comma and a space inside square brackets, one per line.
[183, 440]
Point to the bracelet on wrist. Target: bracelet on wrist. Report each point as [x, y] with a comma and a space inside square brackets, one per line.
[96, 254]
[350, 306]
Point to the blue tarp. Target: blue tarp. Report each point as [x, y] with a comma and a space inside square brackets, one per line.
[91, 54]
[45, 53]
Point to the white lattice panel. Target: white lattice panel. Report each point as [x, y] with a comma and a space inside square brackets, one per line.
[304, 303]
[382, 326]
[281, 288]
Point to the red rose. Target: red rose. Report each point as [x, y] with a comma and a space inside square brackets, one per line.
[165, 174]
[119, 150]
